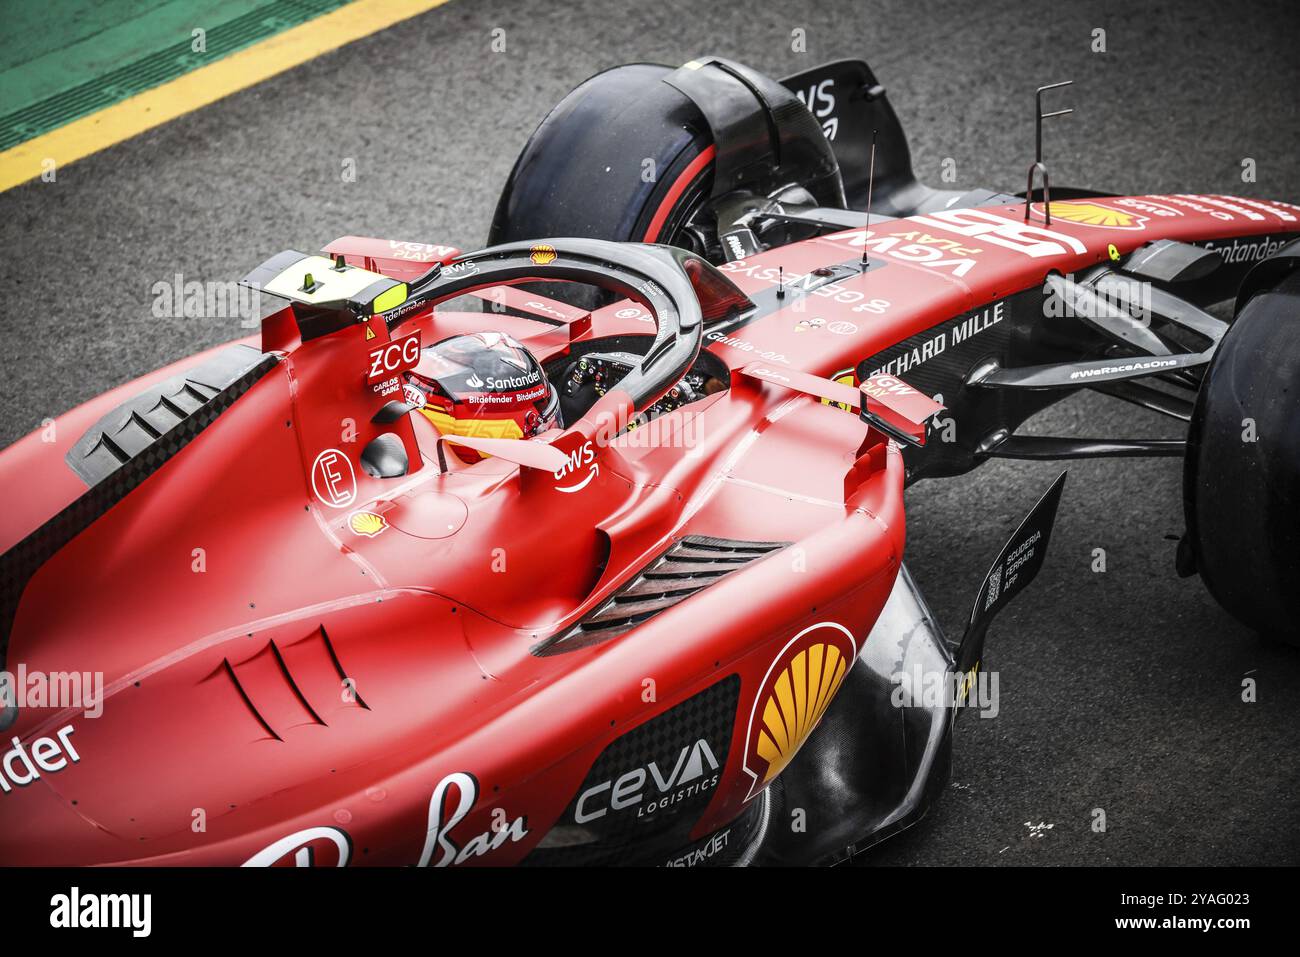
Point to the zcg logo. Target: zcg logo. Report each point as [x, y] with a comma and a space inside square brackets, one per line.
[394, 357]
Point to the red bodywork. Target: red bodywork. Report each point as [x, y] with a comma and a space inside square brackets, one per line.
[317, 693]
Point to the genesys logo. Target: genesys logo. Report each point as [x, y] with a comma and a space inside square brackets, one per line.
[454, 798]
[795, 693]
[653, 787]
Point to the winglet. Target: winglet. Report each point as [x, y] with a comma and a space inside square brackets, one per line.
[896, 409]
[1011, 572]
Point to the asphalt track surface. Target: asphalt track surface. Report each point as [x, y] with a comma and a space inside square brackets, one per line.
[1120, 690]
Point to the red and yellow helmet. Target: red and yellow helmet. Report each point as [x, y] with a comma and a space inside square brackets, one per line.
[484, 384]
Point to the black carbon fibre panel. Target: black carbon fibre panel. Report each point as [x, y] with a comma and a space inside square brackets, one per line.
[648, 788]
[691, 564]
[1012, 331]
[143, 419]
[727, 846]
[21, 562]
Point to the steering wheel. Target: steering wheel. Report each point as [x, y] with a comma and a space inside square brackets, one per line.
[680, 289]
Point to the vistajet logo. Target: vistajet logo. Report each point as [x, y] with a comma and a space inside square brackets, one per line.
[129, 911]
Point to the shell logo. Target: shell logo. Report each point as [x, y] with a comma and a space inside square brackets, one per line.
[543, 254]
[1095, 214]
[367, 523]
[794, 696]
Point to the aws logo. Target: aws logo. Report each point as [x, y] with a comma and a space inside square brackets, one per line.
[579, 468]
[794, 695]
[1095, 214]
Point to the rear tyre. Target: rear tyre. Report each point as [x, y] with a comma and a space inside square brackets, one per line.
[1241, 479]
[623, 157]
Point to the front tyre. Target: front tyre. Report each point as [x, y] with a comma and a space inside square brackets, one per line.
[1241, 479]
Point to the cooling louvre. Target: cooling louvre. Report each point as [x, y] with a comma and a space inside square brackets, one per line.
[690, 565]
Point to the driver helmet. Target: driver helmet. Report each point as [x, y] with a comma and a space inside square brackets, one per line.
[484, 384]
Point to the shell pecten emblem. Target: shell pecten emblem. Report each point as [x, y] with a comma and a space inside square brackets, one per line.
[368, 524]
[542, 254]
[1095, 214]
[794, 695]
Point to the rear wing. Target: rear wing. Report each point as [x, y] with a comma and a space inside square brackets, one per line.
[392, 257]
[848, 101]
[850, 104]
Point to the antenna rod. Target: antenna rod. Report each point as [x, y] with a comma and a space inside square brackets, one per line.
[1038, 123]
[871, 182]
[1038, 166]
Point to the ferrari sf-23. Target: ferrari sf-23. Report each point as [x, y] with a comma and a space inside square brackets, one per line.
[588, 547]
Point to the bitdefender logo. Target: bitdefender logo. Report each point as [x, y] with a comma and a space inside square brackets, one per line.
[652, 787]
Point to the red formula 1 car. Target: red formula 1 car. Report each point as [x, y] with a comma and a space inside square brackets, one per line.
[606, 565]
